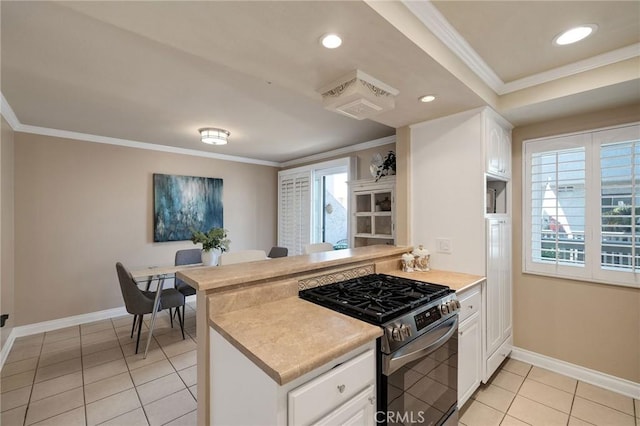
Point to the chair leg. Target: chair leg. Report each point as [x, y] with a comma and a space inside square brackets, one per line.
[133, 327]
[139, 330]
[171, 317]
[181, 319]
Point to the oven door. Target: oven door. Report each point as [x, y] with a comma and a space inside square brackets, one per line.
[418, 382]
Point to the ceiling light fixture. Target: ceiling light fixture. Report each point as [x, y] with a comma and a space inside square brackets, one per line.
[427, 98]
[331, 41]
[214, 136]
[574, 34]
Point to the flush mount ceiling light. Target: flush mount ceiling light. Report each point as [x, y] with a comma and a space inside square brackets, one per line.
[575, 34]
[213, 136]
[427, 98]
[331, 41]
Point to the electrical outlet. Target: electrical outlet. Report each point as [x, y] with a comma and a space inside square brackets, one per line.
[443, 245]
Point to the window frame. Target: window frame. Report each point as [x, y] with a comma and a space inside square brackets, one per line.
[592, 271]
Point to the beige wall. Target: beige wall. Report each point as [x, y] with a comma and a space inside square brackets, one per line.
[80, 207]
[592, 325]
[6, 230]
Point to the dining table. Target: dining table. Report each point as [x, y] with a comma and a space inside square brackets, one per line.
[157, 273]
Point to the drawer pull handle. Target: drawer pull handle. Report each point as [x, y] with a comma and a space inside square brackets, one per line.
[372, 400]
[341, 388]
[470, 306]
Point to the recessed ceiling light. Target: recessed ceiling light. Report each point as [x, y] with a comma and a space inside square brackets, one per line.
[427, 98]
[575, 34]
[331, 41]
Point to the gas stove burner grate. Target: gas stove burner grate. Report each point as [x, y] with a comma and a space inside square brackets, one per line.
[376, 298]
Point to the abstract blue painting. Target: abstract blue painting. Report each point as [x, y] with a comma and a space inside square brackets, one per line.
[182, 203]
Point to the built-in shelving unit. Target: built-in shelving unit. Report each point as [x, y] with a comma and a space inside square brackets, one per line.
[373, 215]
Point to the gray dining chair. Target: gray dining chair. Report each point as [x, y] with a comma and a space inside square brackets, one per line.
[140, 302]
[278, 252]
[187, 257]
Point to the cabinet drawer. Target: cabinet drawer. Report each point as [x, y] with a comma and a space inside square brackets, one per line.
[323, 394]
[469, 303]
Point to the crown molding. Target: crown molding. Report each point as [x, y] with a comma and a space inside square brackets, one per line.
[435, 22]
[340, 151]
[594, 62]
[427, 13]
[9, 115]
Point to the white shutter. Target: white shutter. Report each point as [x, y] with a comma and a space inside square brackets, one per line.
[294, 209]
[619, 199]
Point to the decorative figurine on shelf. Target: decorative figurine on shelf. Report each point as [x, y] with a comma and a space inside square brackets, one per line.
[388, 166]
[421, 259]
[407, 262]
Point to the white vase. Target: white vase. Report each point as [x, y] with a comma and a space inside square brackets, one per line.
[209, 258]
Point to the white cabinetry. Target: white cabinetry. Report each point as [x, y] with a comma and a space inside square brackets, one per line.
[346, 392]
[497, 146]
[460, 168]
[498, 294]
[340, 392]
[469, 343]
[372, 211]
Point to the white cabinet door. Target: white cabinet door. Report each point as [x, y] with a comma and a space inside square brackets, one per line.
[497, 148]
[358, 411]
[493, 298]
[469, 357]
[498, 288]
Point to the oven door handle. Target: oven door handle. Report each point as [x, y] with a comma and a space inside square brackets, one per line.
[395, 361]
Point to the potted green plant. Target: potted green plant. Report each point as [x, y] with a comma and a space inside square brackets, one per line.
[213, 242]
[388, 166]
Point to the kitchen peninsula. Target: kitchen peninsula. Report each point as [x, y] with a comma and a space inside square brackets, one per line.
[251, 313]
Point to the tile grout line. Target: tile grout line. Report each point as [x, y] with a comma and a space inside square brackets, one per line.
[517, 392]
[33, 382]
[135, 387]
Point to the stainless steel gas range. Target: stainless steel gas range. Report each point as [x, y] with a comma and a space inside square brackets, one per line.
[417, 355]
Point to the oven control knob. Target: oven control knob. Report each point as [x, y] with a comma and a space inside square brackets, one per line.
[399, 334]
[444, 309]
[452, 306]
[405, 331]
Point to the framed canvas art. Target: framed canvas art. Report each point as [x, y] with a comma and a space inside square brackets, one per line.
[182, 203]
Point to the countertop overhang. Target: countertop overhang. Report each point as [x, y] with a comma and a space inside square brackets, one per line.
[225, 277]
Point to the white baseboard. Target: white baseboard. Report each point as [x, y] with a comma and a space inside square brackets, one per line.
[4, 353]
[597, 378]
[41, 327]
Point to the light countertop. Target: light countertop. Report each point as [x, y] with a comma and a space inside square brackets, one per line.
[290, 337]
[228, 276]
[456, 280]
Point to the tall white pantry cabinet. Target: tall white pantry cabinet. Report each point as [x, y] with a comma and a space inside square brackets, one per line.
[460, 208]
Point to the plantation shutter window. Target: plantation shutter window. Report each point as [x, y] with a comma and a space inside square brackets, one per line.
[581, 206]
[294, 207]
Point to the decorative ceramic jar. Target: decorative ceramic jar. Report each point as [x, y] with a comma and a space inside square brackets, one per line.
[407, 262]
[421, 259]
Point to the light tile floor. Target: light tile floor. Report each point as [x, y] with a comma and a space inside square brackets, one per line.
[519, 394]
[90, 375]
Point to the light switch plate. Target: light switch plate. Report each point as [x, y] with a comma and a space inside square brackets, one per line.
[443, 245]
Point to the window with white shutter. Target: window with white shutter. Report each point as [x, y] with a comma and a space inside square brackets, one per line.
[294, 207]
[581, 206]
[297, 197]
